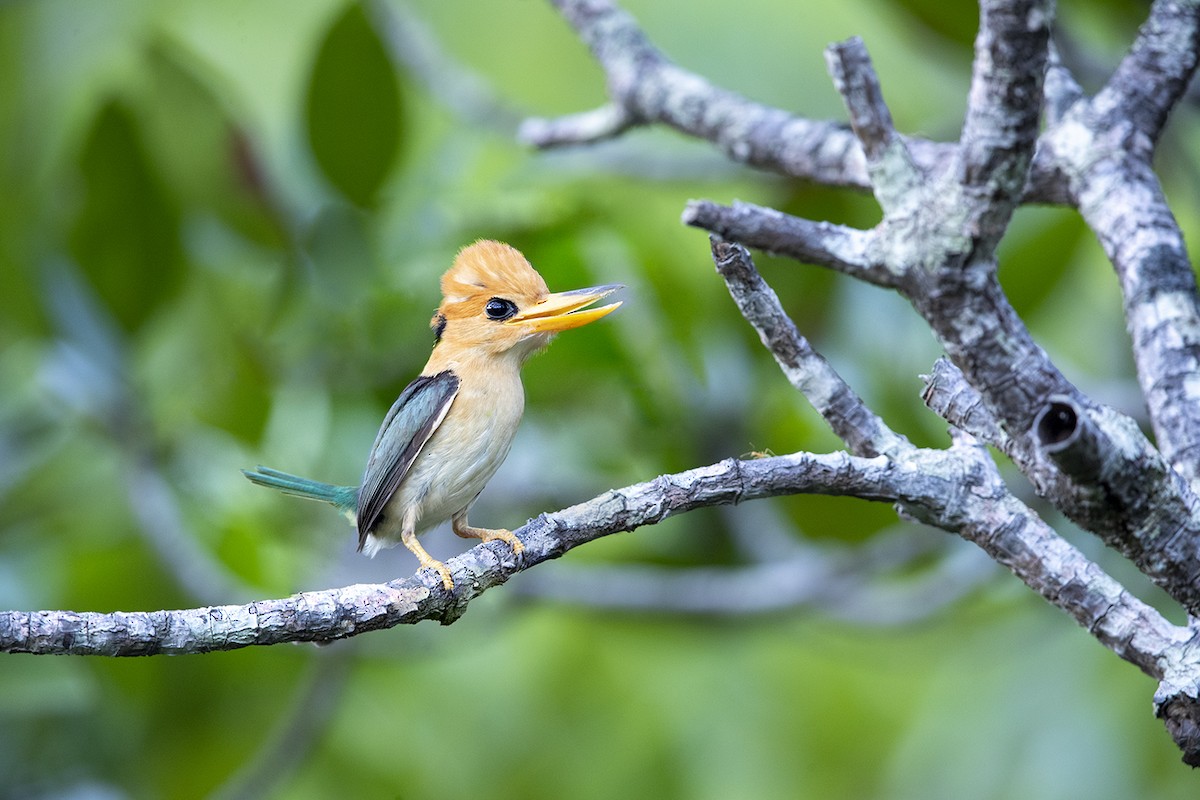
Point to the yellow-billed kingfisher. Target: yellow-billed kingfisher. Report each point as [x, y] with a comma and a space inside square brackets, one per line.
[451, 428]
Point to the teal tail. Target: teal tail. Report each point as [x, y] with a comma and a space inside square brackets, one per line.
[343, 498]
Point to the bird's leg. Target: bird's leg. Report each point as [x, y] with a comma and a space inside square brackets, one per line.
[408, 537]
[459, 523]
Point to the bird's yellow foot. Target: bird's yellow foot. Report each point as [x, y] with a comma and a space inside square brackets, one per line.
[489, 535]
[427, 561]
[443, 570]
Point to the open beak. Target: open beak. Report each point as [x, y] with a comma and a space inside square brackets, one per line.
[566, 310]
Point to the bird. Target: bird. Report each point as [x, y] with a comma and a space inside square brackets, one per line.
[452, 426]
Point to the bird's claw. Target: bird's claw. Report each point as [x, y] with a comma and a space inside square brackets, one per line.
[489, 535]
[504, 536]
[442, 569]
[447, 581]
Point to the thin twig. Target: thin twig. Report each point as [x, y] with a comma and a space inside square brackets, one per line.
[837, 247]
[894, 176]
[860, 428]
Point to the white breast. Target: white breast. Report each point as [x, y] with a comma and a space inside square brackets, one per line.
[461, 456]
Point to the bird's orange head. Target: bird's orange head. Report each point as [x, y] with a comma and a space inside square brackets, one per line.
[494, 302]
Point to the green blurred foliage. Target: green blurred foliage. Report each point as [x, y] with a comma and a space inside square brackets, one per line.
[352, 108]
[126, 234]
[220, 238]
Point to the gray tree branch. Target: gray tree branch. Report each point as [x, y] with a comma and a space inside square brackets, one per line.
[1154, 74]
[837, 247]
[860, 428]
[948, 395]
[1003, 112]
[936, 245]
[958, 489]
[994, 519]
[895, 179]
[1149, 514]
[348, 611]
[1103, 147]
[651, 89]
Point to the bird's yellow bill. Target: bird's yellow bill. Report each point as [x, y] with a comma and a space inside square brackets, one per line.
[566, 310]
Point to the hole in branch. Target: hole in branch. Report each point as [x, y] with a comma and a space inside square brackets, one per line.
[1056, 423]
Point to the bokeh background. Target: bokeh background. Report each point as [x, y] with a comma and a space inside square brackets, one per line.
[221, 228]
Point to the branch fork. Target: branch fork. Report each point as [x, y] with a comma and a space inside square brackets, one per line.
[945, 209]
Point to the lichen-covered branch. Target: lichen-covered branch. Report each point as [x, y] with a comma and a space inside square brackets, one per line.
[652, 89]
[895, 179]
[1155, 72]
[948, 395]
[957, 489]
[1149, 514]
[943, 218]
[347, 611]
[946, 207]
[1003, 112]
[937, 247]
[1102, 148]
[854, 77]
[986, 513]
[860, 428]
[837, 247]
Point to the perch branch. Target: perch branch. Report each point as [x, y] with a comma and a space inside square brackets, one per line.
[959, 489]
[338, 613]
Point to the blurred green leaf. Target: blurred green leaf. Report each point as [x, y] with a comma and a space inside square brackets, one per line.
[126, 235]
[1037, 254]
[353, 108]
[207, 155]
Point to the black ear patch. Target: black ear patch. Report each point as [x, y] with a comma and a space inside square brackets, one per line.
[439, 327]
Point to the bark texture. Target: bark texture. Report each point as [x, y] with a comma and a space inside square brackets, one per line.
[1030, 133]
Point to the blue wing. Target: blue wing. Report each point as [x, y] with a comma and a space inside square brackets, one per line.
[412, 419]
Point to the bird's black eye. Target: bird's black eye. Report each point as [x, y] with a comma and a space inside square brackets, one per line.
[499, 309]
